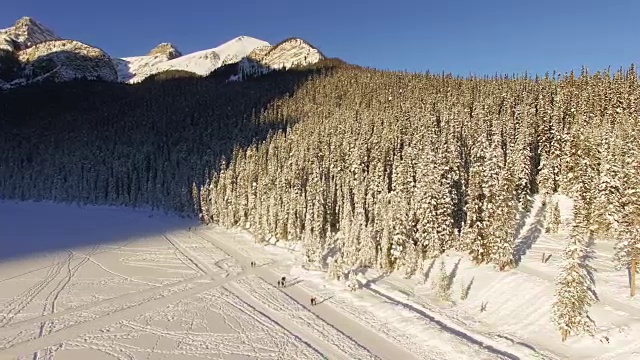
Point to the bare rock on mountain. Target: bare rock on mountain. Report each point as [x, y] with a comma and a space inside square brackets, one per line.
[66, 60]
[166, 50]
[290, 53]
[25, 33]
[258, 53]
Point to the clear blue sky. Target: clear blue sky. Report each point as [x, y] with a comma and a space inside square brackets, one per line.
[462, 37]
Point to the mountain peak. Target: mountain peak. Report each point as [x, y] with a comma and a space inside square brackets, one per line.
[26, 21]
[27, 32]
[286, 54]
[167, 49]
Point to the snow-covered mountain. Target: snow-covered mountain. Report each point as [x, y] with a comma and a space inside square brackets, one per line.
[136, 69]
[31, 52]
[66, 60]
[26, 32]
[287, 54]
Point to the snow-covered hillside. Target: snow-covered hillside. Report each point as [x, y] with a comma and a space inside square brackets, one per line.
[136, 69]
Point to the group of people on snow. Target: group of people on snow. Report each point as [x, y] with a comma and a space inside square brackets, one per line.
[282, 282]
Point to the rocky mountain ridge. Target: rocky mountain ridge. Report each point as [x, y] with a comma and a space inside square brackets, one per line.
[31, 52]
[26, 32]
[166, 49]
[289, 53]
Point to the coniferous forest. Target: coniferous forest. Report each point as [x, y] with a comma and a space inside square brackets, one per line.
[366, 168]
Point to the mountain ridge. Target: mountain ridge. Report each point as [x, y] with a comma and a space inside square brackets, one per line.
[21, 47]
[26, 32]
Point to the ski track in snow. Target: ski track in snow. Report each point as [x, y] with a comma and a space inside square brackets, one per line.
[62, 327]
[250, 334]
[279, 303]
[50, 302]
[466, 345]
[421, 349]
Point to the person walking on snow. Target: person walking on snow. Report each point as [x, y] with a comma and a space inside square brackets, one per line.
[284, 281]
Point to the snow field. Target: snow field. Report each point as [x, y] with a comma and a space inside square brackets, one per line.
[172, 294]
[212, 324]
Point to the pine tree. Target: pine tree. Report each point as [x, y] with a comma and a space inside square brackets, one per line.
[575, 285]
[503, 225]
[434, 229]
[476, 238]
[608, 193]
[627, 248]
[443, 290]
[575, 290]
[627, 253]
[552, 217]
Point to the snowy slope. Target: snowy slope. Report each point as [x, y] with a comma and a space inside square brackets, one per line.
[136, 69]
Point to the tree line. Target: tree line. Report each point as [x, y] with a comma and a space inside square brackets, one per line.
[388, 169]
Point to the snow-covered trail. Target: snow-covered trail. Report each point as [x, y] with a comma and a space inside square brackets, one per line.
[361, 335]
[444, 338]
[283, 320]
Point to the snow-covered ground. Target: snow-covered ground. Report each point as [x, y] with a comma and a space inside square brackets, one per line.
[109, 283]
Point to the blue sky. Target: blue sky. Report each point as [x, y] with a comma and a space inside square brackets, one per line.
[462, 37]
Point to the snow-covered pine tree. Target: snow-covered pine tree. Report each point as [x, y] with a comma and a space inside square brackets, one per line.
[608, 193]
[519, 160]
[349, 233]
[404, 253]
[384, 234]
[507, 208]
[575, 285]
[627, 255]
[336, 268]
[500, 205]
[552, 216]
[476, 239]
[434, 230]
[575, 288]
[443, 290]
